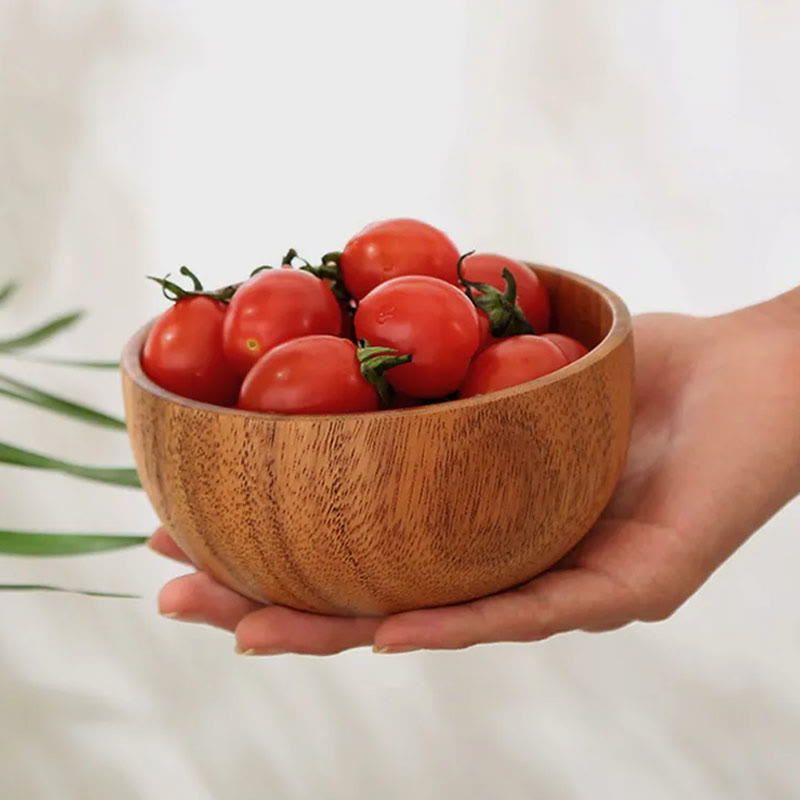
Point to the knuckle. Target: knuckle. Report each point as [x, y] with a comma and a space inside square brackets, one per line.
[539, 621]
[665, 594]
[660, 606]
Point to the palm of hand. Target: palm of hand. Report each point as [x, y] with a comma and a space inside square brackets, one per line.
[686, 500]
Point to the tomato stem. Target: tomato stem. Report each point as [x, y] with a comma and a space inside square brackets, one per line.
[329, 270]
[173, 292]
[198, 287]
[291, 255]
[325, 271]
[334, 257]
[505, 316]
[374, 363]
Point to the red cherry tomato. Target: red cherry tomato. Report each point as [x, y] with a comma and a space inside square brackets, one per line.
[311, 375]
[274, 306]
[570, 347]
[532, 295]
[511, 361]
[183, 352]
[395, 247]
[428, 318]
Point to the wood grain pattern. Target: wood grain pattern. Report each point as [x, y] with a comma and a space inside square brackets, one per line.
[382, 512]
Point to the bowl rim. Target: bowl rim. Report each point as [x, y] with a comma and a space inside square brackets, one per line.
[621, 327]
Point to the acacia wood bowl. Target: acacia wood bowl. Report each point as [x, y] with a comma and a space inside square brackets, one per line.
[394, 510]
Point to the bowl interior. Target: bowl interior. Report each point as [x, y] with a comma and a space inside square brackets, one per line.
[580, 308]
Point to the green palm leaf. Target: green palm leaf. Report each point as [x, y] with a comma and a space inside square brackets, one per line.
[7, 290]
[119, 476]
[33, 543]
[41, 333]
[40, 587]
[68, 362]
[10, 387]
[30, 543]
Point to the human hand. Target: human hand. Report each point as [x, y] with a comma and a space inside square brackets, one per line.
[715, 452]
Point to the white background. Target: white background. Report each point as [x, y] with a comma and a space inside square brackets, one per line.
[654, 146]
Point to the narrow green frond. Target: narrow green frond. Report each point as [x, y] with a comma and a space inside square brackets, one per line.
[119, 476]
[33, 543]
[41, 333]
[10, 387]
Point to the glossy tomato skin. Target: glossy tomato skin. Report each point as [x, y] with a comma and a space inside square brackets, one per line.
[310, 375]
[570, 347]
[486, 337]
[511, 361]
[532, 295]
[272, 307]
[430, 319]
[183, 352]
[395, 247]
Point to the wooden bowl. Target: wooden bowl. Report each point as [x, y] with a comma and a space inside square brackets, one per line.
[393, 510]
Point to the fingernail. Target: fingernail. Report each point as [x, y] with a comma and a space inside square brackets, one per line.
[394, 648]
[198, 619]
[251, 652]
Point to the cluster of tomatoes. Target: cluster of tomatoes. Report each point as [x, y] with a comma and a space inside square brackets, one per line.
[394, 320]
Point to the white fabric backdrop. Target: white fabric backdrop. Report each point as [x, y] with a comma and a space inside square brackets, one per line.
[653, 146]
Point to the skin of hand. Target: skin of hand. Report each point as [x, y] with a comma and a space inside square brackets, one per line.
[715, 452]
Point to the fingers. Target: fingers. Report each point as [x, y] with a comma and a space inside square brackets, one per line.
[165, 545]
[555, 602]
[199, 598]
[261, 630]
[275, 629]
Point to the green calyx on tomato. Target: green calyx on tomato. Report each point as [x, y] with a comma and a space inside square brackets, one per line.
[504, 315]
[374, 362]
[329, 270]
[173, 292]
